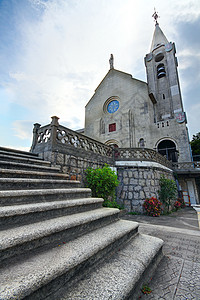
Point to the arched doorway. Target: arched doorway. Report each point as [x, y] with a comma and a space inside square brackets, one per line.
[115, 146]
[113, 143]
[168, 149]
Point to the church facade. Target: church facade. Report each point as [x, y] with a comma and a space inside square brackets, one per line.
[129, 113]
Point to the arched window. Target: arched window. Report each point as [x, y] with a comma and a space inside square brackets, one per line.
[159, 57]
[168, 149]
[161, 71]
[141, 143]
[102, 126]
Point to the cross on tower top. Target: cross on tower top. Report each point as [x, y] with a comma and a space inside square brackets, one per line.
[155, 16]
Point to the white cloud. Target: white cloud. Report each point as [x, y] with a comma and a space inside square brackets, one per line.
[66, 48]
[22, 129]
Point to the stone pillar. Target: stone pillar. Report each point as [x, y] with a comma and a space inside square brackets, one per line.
[54, 126]
[35, 136]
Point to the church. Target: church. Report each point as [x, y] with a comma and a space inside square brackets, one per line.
[130, 113]
[144, 122]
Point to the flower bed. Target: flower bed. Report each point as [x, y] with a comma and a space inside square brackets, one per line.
[152, 207]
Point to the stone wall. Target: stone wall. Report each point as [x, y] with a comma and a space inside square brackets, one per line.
[137, 184]
[74, 166]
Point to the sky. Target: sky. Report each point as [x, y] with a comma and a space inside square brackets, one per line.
[54, 53]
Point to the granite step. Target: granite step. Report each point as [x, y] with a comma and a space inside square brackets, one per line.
[21, 239]
[27, 166]
[17, 155]
[120, 276]
[25, 160]
[38, 275]
[13, 173]
[18, 215]
[14, 197]
[16, 152]
[24, 184]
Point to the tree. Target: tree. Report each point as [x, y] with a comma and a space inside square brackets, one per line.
[195, 145]
[167, 192]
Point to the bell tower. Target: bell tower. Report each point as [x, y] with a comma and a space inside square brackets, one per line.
[169, 122]
[162, 77]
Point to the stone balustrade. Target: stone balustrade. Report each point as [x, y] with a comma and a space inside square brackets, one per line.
[186, 165]
[79, 141]
[58, 138]
[56, 135]
[141, 154]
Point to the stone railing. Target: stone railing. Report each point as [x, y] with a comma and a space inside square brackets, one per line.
[141, 154]
[55, 136]
[74, 152]
[79, 141]
[187, 165]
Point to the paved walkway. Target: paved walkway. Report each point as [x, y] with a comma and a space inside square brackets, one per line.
[178, 274]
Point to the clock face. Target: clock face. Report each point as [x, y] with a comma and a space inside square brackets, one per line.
[168, 47]
[113, 106]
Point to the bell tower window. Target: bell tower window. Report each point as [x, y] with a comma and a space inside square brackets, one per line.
[159, 57]
[161, 71]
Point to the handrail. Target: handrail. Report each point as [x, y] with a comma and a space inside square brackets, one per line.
[141, 154]
[190, 165]
[57, 136]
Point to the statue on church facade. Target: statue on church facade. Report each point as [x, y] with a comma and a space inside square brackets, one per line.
[111, 62]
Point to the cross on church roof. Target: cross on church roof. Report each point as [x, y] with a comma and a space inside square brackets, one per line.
[155, 16]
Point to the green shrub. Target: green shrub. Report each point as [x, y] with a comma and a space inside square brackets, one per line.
[102, 182]
[168, 191]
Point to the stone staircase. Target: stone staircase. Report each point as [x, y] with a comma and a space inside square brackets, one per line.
[59, 243]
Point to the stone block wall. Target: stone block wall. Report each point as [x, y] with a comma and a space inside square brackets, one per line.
[74, 166]
[137, 184]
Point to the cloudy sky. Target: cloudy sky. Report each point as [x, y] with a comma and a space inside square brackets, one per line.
[54, 53]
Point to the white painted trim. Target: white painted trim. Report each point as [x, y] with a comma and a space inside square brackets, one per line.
[149, 164]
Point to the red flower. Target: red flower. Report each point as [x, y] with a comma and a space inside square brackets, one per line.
[152, 207]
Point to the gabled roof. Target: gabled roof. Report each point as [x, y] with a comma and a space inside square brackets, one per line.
[119, 72]
[158, 38]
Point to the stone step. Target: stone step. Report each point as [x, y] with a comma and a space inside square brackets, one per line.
[40, 274]
[25, 184]
[120, 276]
[14, 197]
[17, 215]
[9, 151]
[16, 241]
[24, 166]
[24, 160]
[12, 173]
